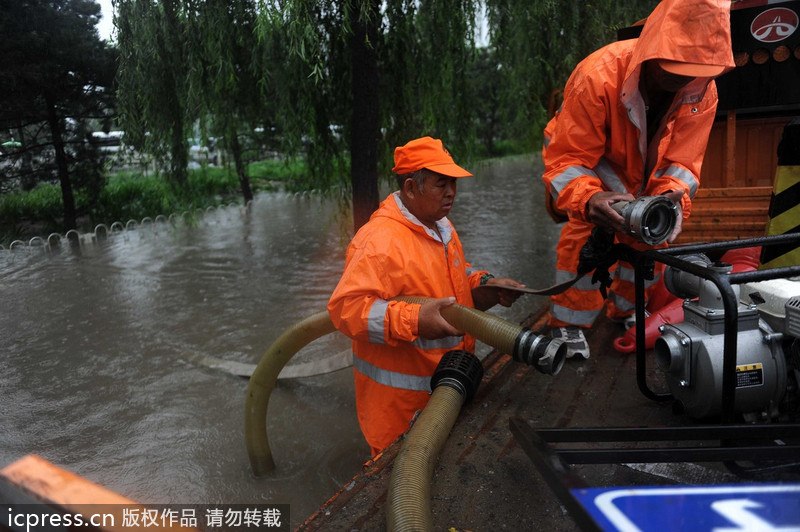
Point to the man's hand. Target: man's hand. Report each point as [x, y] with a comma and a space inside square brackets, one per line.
[600, 213]
[676, 196]
[485, 299]
[431, 324]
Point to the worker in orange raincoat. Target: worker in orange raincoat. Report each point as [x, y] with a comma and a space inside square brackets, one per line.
[634, 122]
[408, 248]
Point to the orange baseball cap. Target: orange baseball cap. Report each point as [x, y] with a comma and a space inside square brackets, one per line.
[692, 70]
[426, 152]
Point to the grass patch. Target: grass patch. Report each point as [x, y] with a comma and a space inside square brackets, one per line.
[43, 202]
[271, 174]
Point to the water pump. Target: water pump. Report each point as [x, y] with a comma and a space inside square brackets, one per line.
[690, 353]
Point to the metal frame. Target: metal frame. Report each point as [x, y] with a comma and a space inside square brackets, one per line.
[748, 450]
[553, 463]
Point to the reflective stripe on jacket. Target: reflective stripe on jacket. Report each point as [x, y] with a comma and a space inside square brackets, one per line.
[598, 139]
[395, 255]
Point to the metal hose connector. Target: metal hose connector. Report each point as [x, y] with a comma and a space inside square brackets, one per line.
[649, 219]
[263, 381]
[545, 354]
[408, 502]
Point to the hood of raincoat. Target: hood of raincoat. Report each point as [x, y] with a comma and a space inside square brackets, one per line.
[689, 31]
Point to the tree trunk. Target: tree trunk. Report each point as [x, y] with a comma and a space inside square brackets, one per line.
[365, 127]
[172, 47]
[179, 156]
[67, 196]
[236, 150]
[28, 179]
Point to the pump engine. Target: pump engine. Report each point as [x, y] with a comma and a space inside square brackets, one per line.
[690, 353]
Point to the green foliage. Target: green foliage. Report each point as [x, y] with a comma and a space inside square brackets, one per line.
[133, 196]
[291, 172]
[425, 55]
[154, 90]
[491, 127]
[36, 212]
[211, 180]
[502, 148]
[223, 77]
[41, 203]
[423, 51]
[305, 71]
[537, 45]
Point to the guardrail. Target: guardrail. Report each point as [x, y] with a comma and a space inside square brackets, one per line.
[55, 241]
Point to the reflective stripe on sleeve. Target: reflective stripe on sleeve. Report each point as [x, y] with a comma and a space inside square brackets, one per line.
[392, 378]
[377, 332]
[448, 342]
[609, 177]
[680, 173]
[564, 178]
[375, 321]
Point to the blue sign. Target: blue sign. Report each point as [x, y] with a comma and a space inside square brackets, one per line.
[734, 508]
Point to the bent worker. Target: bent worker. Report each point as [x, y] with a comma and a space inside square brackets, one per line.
[408, 248]
[634, 122]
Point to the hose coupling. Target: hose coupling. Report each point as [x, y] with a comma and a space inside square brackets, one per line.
[649, 219]
[543, 353]
[460, 370]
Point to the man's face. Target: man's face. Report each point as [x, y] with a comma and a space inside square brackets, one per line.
[663, 80]
[435, 199]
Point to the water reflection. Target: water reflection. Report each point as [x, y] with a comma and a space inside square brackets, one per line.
[96, 377]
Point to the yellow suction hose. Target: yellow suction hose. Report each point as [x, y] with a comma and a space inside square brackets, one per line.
[409, 499]
[545, 354]
[263, 381]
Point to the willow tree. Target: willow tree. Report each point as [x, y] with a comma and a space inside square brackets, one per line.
[222, 75]
[539, 42]
[153, 80]
[359, 77]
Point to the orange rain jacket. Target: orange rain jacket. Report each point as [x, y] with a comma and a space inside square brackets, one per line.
[598, 139]
[395, 255]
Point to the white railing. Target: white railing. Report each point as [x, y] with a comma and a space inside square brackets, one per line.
[101, 232]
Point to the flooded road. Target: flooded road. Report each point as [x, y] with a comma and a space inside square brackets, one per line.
[97, 354]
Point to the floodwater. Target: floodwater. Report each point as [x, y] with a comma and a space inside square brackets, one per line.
[98, 375]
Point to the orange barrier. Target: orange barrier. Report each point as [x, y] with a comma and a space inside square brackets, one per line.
[34, 480]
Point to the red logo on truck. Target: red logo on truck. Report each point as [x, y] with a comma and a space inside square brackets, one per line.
[774, 24]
